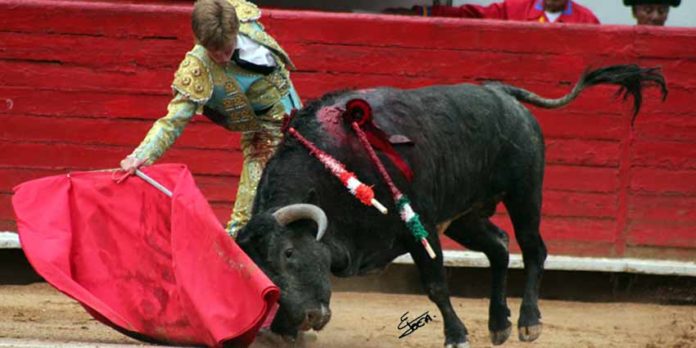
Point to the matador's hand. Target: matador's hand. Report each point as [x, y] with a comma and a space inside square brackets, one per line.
[131, 163]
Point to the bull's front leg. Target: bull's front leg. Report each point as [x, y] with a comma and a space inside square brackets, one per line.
[432, 273]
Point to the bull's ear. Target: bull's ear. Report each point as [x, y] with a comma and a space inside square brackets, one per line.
[250, 241]
[311, 197]
[244, 238]
[257, 229]
[248, 235]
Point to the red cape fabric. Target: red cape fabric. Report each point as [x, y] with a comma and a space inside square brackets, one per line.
[156, 268]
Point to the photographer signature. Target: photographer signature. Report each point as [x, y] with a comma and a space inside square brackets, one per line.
[413, 325]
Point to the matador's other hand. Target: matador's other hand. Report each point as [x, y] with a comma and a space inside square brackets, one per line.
[131, 163]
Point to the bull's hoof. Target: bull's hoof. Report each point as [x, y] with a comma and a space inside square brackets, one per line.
[529, 333]
[499, 337]
[458, 345]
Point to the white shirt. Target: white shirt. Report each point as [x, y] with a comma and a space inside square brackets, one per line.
[253, 52]
[552, 16]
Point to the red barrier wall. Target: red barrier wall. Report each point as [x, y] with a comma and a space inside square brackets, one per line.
[81, 82]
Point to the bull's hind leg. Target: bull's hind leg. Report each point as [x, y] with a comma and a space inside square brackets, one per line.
[480, 234]
[432, 273]
[524, 207]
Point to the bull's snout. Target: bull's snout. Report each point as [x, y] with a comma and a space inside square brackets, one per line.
[316, 318]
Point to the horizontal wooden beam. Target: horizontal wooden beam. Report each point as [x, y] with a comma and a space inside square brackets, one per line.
[455, 258]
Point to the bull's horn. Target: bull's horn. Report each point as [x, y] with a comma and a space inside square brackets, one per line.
[294, 212]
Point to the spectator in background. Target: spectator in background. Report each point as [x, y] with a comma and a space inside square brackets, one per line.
[543, 11]
[651, 12]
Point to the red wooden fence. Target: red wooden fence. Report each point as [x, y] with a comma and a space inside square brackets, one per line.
[81, 82]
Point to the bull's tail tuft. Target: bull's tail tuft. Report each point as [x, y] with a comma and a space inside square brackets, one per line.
[631, 78]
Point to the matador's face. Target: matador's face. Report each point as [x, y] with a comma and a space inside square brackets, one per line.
[222, 56]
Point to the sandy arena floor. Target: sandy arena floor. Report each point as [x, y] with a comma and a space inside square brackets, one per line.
[37, 312]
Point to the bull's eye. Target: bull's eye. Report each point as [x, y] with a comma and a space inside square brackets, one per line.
[288, 252]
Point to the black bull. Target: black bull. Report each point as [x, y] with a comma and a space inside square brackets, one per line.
[472, 147]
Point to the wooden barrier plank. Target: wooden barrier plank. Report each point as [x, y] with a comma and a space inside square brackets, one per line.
[59, 76]
[6, 211]
[11, 177]
[555, 247]
[577, 229]
[82, 103]
[92, 157]
[222, 211]
[680, 72]
[679, 101]
[564, 230]
[579, 204]
[663, 181]
[662, 154]
[662, 208]
[409, 62]
[218, 189]
[581, 179]
[582, 152]
[412, 32]
[92, 18]
[224, 208]
[677, 235]
[559, 124]
[540, 39]
[199, 133]
[8, 225]
[106, 53]
[662, 127]
[665, 43]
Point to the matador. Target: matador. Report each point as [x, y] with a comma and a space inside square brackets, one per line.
[243, 85]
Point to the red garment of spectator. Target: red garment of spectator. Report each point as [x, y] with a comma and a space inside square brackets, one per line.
[519, 10]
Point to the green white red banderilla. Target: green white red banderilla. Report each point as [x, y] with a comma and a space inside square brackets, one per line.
[362, 192]
[406, 213]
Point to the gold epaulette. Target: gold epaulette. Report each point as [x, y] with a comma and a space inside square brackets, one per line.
[246, 11]
[193, 80]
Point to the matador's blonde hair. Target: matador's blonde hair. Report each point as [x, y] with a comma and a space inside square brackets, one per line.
[214, 23]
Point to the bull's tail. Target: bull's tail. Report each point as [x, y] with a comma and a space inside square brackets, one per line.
[631, 78]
